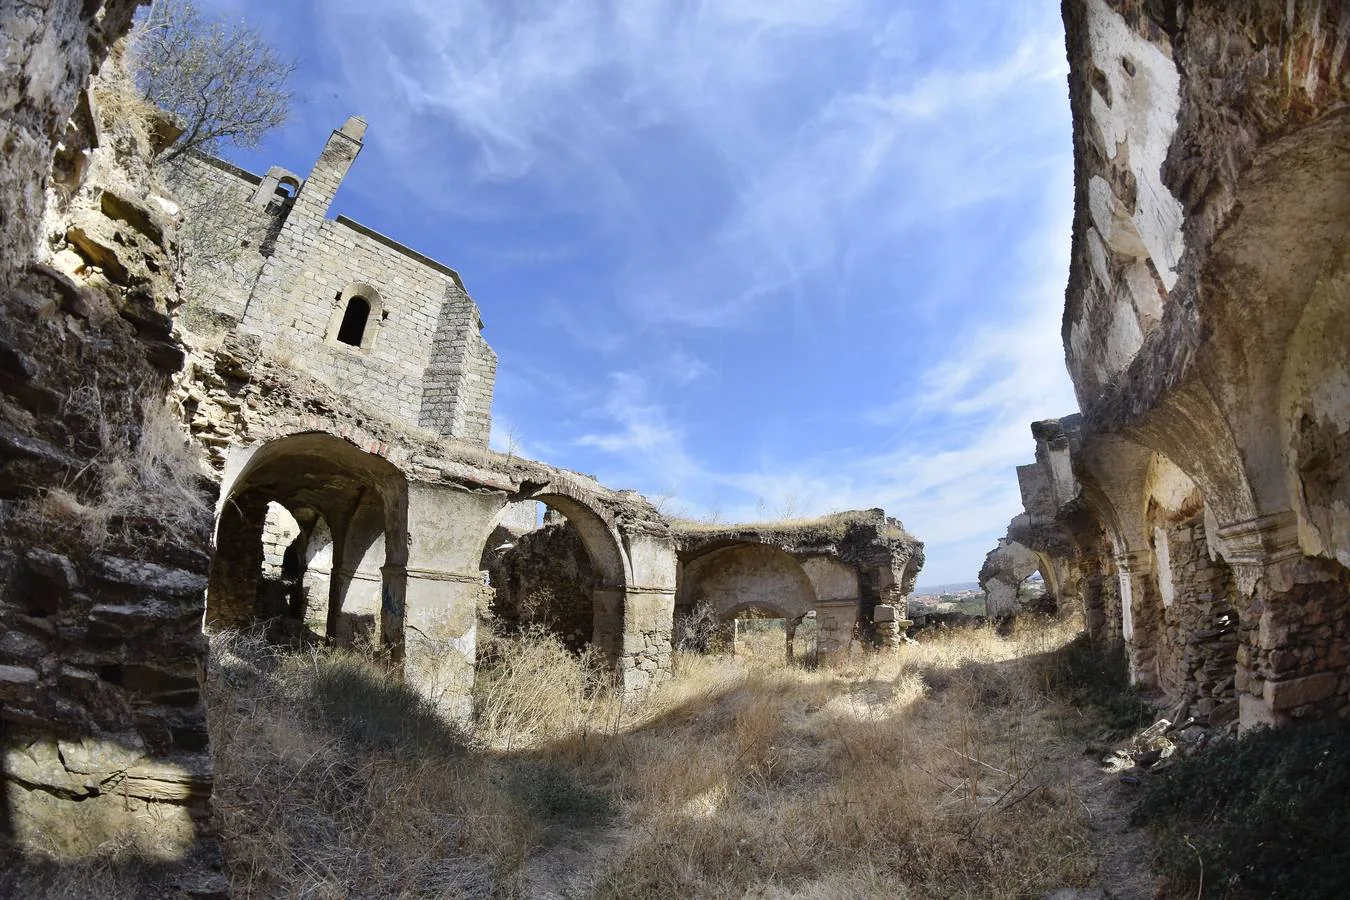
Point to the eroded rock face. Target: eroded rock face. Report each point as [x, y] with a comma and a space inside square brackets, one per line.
[49, 49]
[1205, 332]
[105, 531]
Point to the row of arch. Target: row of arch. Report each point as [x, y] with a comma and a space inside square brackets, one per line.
[1212, 468]
[333, 541]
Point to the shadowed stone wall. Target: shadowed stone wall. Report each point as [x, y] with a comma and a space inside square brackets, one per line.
[1205, 333]
[104, 527]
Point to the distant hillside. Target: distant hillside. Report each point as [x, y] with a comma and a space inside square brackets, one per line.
[947, 588]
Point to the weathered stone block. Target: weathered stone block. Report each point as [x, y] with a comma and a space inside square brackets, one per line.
[1284, 695]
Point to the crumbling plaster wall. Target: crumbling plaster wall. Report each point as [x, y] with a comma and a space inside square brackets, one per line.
[104, 531]
[1228, 379]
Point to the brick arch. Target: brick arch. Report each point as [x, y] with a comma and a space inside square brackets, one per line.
[597, 526]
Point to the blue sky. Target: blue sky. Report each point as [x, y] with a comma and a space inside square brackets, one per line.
[754, 258]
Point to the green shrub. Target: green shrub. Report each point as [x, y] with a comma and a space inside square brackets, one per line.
[1263, 816]
[1088, 673]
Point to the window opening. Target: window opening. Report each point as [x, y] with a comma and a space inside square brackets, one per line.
[353, 327]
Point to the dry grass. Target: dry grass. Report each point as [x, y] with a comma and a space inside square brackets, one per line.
[935, 772]
[834, 524]
[144, 472]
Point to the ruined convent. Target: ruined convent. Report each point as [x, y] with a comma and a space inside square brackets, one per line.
[222, 404]
[339, 387]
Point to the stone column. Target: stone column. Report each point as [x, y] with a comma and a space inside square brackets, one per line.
[1293, 661]
[1140, 611]
[835, 621]
[441, 590]
[440, 633]
[648, 623]
[890, 628]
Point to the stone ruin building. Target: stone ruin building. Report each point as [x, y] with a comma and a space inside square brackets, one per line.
[852, 573]
[1199, 508]
[338, 387]
[347, 408]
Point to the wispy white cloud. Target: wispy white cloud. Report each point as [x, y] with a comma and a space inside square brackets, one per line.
[668, 202]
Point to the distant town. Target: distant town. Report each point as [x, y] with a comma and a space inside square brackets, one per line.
[964, 597]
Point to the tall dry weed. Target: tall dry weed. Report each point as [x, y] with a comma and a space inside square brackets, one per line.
[937, 771]
[145, 472]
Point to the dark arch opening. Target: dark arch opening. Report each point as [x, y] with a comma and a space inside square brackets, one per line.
[353, 328]
[563, 573]
[541, 576]
[312, 537]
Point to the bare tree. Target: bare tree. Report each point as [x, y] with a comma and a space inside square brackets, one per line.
[223, 81]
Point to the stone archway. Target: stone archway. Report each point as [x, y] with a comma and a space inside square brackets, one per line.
[736, 577]
[360, 498]
[612, 574]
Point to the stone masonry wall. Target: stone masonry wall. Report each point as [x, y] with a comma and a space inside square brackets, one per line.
[1204, 330]
[1197, 651]
[226, 238]
[545, 578]
[104, 525]
[423, 358]
[458, 381]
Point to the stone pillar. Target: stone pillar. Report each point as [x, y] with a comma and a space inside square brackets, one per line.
[361, 604]
[890, 628]
[648, 623]
[790, 632]
[1140, 612]
[439, 591]
[440, 632]
[1293, 661]
[727, 632]
[236, 566]
[835, 621]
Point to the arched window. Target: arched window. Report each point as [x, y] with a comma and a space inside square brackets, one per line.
[353, 328]
[357, 313]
